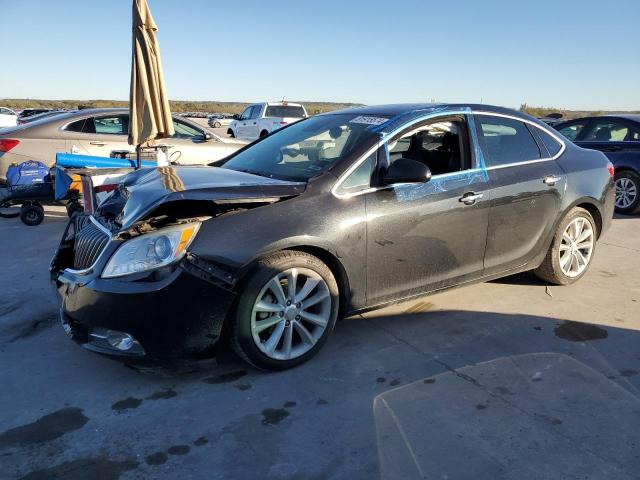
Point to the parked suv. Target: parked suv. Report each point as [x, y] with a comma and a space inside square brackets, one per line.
[261, 119]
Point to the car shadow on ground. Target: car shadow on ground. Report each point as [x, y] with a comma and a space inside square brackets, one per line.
[459, 371]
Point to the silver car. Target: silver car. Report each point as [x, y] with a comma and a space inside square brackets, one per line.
[98, 132]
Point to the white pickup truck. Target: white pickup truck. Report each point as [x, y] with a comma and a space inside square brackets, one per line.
[261, 119]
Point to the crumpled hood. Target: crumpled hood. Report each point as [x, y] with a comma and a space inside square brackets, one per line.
[144, 190]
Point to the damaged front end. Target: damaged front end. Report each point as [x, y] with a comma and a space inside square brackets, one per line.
[128, 282]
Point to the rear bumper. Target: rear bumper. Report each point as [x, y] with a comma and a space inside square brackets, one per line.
[608, 207]
[176, 316]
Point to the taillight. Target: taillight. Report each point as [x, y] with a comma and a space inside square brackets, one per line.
[611, 169]
[8, 144]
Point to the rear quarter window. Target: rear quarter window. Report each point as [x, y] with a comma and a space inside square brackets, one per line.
[552, 145]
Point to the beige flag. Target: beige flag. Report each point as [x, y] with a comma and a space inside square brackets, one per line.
[149, 112]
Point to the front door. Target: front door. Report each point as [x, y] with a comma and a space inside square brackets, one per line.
[526, 186]
[242, 123]
[422, 237]
[253, 124]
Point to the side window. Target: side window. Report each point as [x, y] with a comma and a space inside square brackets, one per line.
[117, 125]
[440, 145]
[572, 131]
[182, 130]
[246, 114]
[507, 141]
[607, 131]
[360, 178]
[553, 146]
[255, 111]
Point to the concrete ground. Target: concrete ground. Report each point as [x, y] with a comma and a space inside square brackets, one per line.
[508, 379]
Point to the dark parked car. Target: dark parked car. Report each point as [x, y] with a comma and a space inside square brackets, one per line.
[618, 137]
[336, 214]
[28, 112]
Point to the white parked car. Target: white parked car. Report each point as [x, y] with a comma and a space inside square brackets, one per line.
[8, 118]
[261, 119]
[218, 120]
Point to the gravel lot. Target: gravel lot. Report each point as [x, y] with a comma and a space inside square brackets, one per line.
[507, 379]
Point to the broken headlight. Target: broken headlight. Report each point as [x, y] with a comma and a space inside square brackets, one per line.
[151, 250]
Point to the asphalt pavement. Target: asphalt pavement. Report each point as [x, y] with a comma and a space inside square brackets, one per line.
[510, 379]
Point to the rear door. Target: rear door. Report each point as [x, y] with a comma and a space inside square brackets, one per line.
[526, 186]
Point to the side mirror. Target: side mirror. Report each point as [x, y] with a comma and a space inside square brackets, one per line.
[406, 170]
[236, 116]
[206, 137]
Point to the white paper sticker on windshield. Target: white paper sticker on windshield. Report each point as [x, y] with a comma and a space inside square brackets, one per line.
[369, 120]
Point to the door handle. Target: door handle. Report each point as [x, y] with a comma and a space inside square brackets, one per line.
[99, 144]
[470, 198]
[551, 180]
[255, 123]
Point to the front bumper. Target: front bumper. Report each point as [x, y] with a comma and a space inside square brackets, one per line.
[180, 314]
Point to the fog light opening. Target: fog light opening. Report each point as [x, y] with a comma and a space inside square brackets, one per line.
[120, 340]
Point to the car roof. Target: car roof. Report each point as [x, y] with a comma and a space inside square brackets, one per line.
[407, 108]
[627, 116]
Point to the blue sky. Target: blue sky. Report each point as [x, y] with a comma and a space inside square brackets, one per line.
[566, 54]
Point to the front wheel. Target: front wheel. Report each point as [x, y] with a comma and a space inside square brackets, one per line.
[627, 192]
[217, 125]
[231, 134]
[286, 311]
[571, 250]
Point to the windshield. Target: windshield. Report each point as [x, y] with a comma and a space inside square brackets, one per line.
[290, 111]
[305, 149]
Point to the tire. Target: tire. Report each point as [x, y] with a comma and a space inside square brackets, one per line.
[7, 214]
[217, 125]
[73, 208]
[32, 214]
[551, 269]
[627, 192]
[287, 317]
[263, 133]
[231, 134]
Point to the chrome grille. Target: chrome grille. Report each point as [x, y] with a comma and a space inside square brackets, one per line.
[90, 241]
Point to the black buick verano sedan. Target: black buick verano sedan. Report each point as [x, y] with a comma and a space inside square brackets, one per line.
[336, 214]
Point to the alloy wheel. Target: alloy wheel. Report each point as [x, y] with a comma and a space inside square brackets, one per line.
[626, 192]
[576, 247]
[291, 313]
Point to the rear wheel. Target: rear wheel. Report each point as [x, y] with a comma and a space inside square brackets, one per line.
[263, 133]
[571, 250]
[627, 192]
[32, 214]
[216, 125]
[285, 312]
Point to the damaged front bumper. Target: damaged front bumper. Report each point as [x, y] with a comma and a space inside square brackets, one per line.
[180, 312]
